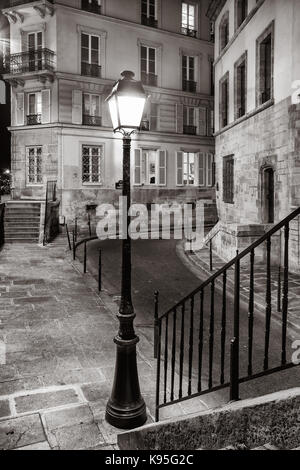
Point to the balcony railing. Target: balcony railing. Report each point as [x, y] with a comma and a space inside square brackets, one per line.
[189, 85]
[189, 32]
[90, 70]
[191, 130]
[146, 21]
[265, 95]
[34, 119]
[91, 7]
[149, 79]
[145, 125]
[89, 120]
[31, 61]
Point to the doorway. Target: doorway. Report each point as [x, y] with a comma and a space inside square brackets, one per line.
[268, 195]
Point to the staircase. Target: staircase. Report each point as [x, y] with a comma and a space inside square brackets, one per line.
[22, 222]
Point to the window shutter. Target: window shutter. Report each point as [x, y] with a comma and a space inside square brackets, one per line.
[201, 168]
[20, 109]
[179, 118]
[137, 166]
[209, 169]
[202, 129]
[179, 168]
[162, 168]
[45, 106]
[77, 107]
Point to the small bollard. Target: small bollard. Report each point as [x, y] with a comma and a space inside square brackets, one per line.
[156, 294]
[74, 249]
[100, 272]
[84, 260]
[68, 236]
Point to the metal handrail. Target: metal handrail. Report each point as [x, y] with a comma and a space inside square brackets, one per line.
[231, 263]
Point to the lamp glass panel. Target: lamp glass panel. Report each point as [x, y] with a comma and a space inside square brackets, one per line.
[131, 110]
[113, 112]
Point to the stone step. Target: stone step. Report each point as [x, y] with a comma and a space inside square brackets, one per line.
[22, 231]
[21, 211]
[21, 240]
[22, 204]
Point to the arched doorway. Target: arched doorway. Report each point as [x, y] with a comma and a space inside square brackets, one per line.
[268, 195]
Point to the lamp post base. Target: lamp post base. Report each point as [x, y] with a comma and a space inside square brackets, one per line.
[126, 408]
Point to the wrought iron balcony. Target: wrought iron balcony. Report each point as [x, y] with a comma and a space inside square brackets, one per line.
[89, 120]
[146, 21]
[265, 95]
[191, 130]
[90, 70]
[189, 85]
[31, 61]
[91, 7]
[189, 32]
[149, 79]
[34, 119]
[145, 125]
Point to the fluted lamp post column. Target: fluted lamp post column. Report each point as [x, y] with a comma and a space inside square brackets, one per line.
[126, 408]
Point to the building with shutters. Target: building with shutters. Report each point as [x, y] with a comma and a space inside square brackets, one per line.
[257, 96]
[65, 56]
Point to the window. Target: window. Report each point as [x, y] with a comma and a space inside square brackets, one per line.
[150, 117]
[91, 110]
[212, 78]
[91, 164]
[206, 169]
[35, 54]
[34, 165]
[34, 114]
[240, 89]
[149, 15]
[224, 101]
[241, 11]
[188, 74]
[188, 25]
[265, 66]
[228, 179]
[188, 168]
[148, 66]
[224, 31]
[212, 122]
[90, 55]
[92, 6]
[150, 167]
[189, 120]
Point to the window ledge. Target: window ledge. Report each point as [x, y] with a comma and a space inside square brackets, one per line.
[257, 110]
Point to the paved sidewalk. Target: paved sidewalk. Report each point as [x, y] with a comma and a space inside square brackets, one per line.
[199, 261]
[59, 362]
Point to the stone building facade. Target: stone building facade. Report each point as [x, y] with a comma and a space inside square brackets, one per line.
[257, 111]
[65, 56]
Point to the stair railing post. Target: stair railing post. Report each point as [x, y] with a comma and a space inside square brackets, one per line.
[210, 256]
[74, 245]
[68, 236]
[76, 229]
[156, 294]
[89, 224]
[234, 347]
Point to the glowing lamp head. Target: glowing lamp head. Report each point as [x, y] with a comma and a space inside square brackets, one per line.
[126, 102]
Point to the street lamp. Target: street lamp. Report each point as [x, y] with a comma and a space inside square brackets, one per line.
[126, 408]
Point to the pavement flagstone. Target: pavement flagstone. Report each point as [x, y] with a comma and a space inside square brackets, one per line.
[59, 353]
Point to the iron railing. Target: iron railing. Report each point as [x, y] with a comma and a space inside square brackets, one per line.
[189, 85]
[32, 61]
[191, 130]
[90, 70]
[89, 120]
[34, 119]
[189, 32]
[91, 7]
[51, 221]
[149, 21]
[204, 325]
[149, 79]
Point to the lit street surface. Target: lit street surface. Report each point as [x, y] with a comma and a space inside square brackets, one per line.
[156, 266]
